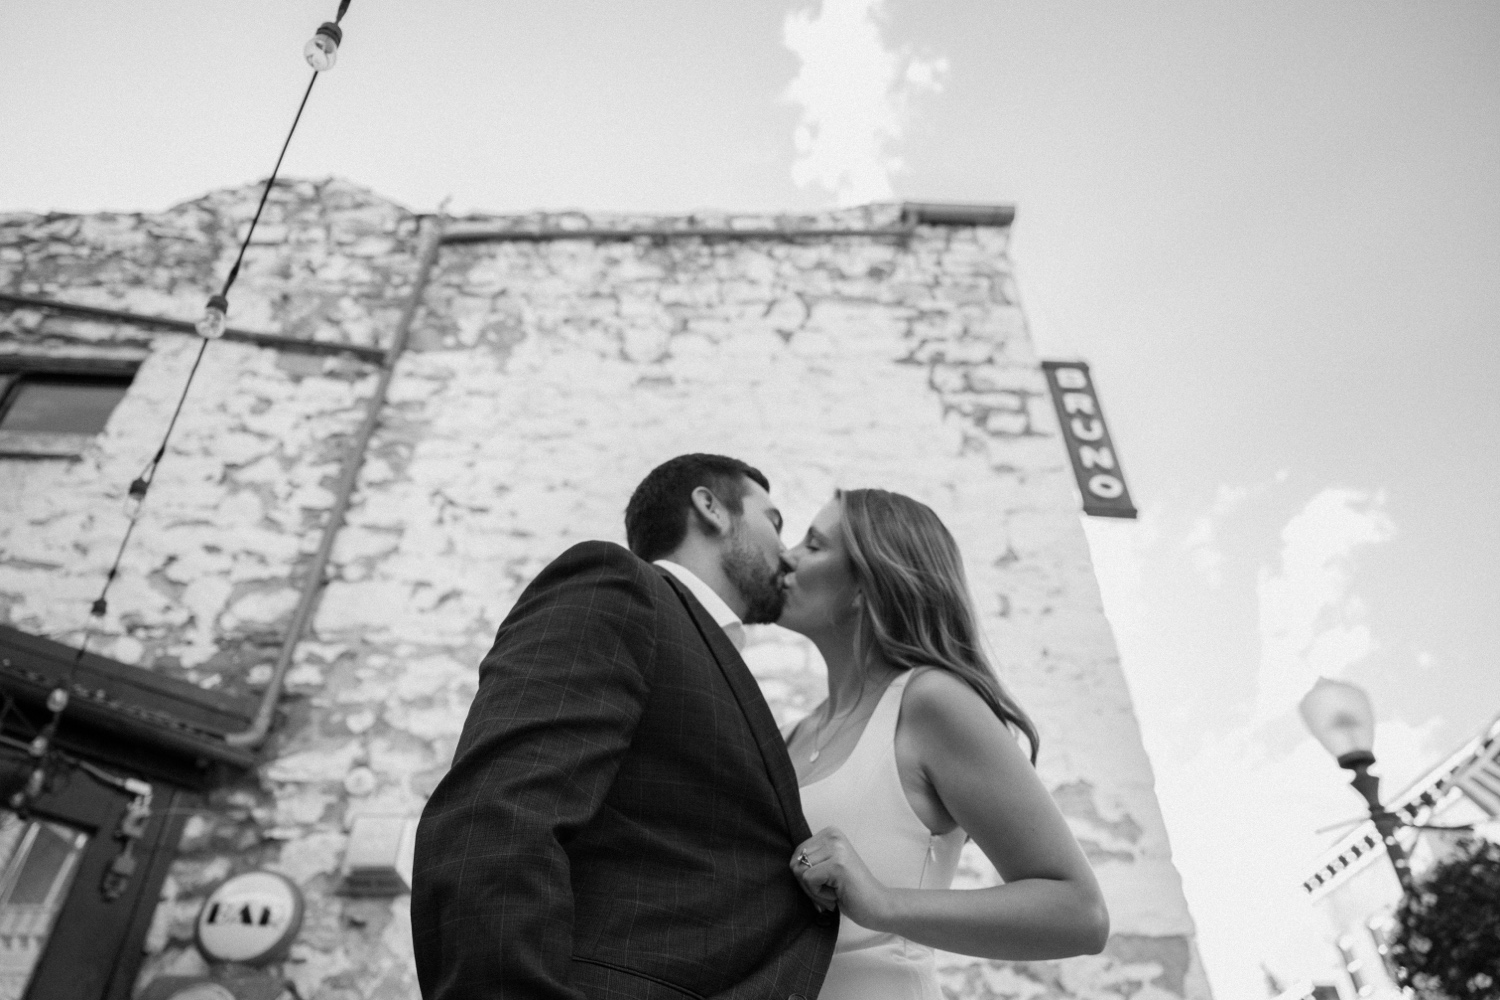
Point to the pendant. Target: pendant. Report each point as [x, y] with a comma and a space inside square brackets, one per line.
[813, 757]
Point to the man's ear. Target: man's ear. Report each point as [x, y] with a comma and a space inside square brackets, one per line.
[711, 514]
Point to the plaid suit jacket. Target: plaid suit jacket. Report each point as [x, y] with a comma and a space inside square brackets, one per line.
[620, 812]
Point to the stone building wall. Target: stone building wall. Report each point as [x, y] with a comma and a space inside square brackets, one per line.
[541, 380]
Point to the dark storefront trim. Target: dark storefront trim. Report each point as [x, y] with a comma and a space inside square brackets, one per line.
[125, 730]
[162, 727]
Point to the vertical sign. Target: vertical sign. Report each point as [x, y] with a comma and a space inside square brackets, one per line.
[1095, 465]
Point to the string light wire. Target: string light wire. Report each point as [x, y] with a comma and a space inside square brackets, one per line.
[40, 747]
[234, 272]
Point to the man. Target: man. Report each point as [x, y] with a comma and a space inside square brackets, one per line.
[621, 811]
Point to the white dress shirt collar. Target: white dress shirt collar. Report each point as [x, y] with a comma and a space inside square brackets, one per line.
[725, 618]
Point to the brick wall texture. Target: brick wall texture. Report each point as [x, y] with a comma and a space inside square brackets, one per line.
[541, 381]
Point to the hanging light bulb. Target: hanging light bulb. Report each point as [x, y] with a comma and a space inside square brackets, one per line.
[57, 700]
[215, 318]
[322, 50]
[135, 495]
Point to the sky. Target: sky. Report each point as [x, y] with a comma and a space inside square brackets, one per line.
[1271, 228]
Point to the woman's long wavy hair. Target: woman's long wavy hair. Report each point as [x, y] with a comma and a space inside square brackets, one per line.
[917, 609]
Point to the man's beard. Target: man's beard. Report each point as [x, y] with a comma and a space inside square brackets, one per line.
[758, 584]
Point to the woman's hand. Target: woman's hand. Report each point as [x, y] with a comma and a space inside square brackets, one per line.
[833, 874]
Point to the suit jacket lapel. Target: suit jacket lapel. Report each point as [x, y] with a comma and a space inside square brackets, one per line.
[753, 705]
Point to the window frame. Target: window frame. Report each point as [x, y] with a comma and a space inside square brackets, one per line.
[14, 372]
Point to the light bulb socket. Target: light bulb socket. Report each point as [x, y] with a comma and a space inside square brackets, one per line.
[331, 31]
[211, 324]
[1355, 759]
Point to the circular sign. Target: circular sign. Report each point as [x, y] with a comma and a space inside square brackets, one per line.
[250, 918]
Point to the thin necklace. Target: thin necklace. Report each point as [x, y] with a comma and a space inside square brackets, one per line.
[820, 747]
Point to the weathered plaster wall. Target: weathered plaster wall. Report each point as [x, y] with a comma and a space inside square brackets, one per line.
[543, 380]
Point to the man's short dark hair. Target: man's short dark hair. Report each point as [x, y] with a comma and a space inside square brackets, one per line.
[656, 518]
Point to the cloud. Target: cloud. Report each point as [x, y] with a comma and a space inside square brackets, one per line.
[1242, 787]
[1311, 624]
[1201, 541]
[855, 95]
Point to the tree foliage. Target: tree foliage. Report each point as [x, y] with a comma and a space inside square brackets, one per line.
[1448, 944]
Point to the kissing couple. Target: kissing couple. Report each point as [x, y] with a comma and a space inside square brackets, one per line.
[624, 820]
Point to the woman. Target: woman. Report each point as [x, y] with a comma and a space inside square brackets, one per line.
[911, 755]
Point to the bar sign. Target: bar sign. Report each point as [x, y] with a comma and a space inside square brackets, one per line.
[1095, 465]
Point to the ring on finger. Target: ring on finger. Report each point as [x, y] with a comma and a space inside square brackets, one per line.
[802, 860]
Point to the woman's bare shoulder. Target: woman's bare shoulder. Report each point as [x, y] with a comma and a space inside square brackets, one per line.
[937, 688]
[940, 700]
[942, 706]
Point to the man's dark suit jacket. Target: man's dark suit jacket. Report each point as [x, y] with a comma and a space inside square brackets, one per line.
[620, 813]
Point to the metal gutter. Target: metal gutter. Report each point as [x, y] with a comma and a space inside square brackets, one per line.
[913, 214]
[944, 213]
[374, 355]
[718, 235]
[312, 586]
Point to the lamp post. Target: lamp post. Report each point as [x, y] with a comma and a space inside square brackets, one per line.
[1340, 716]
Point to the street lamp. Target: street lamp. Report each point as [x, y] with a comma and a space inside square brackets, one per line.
[1341, 717]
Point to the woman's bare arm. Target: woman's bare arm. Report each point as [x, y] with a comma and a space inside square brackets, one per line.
[1050, 905]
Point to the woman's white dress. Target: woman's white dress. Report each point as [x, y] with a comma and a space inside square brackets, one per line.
[865, 800]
